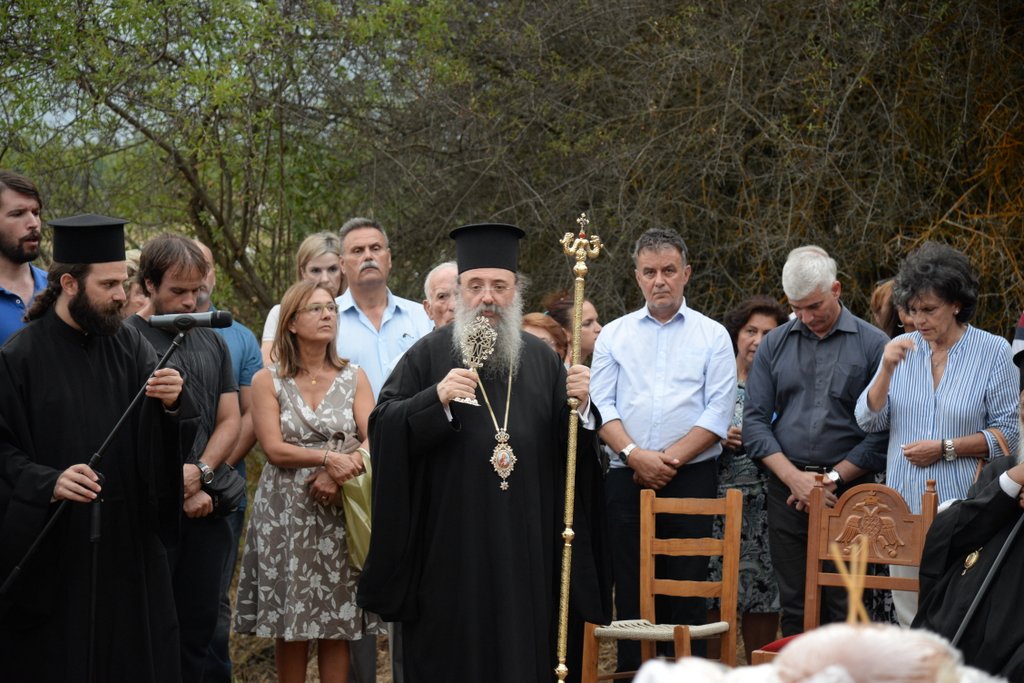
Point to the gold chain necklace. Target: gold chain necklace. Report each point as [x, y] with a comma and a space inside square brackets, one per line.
[503, 459]
[312, 377]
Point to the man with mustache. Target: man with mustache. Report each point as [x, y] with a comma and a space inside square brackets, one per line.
[375, 328]
[20, 281]
[468, 500]
[374, 325]
[69, 374]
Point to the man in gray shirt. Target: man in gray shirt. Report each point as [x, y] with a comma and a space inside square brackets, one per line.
[798, 419]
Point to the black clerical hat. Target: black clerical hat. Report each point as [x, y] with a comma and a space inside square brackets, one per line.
[487, 245]
[88, 238]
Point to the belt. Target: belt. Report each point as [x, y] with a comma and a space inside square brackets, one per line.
[807, 467]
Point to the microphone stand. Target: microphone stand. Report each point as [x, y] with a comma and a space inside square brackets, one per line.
[94, 526]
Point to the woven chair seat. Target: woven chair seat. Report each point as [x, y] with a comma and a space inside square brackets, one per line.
[641, 629]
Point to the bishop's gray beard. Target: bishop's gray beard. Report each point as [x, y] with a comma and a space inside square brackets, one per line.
[508, 344]
[1020, 444]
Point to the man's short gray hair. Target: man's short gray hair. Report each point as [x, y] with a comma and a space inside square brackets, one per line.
[656, 239]
[433, 271]
[360, 222]
[808, 269]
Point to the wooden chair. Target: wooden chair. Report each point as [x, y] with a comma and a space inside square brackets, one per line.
[758, 657]
[645, 629]
[895, 537]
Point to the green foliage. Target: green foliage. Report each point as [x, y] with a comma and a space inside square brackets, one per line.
[751, 127]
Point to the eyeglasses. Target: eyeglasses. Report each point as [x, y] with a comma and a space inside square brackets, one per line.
[319, 309]
[498, 288]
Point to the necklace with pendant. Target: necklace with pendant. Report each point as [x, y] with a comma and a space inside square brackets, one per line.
[503, 460]
[312, 377]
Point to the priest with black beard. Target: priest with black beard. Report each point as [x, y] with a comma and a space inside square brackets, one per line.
[65, 380]
[468, 499]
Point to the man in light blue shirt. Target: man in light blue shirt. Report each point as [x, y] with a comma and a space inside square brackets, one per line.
[374, 325]
[664, 380]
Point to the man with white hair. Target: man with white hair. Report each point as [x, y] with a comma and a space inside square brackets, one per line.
[799, 421]
[439, 290]
[468, 499]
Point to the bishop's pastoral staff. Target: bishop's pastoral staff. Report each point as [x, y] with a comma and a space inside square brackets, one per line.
[468, 499]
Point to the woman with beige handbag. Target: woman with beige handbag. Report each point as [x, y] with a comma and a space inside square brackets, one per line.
[310, 412]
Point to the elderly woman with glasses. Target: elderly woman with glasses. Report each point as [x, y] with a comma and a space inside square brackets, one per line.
[310, 412]
[946, 392]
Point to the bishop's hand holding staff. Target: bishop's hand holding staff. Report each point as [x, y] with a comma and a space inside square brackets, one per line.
[469, 500]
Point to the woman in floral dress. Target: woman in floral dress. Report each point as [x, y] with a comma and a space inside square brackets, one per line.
[758, 604]
[296, 583]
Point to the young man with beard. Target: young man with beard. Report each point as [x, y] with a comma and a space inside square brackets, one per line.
[466, 545]
[173, 271]
[67, 378]
[20, 281]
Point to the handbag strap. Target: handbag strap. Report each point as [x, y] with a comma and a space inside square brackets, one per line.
[1004, 447]
[292, 390]
[1000, 439]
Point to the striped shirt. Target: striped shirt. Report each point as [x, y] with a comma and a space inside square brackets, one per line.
[978, 390]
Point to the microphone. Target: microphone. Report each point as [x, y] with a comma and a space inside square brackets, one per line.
[186, 321]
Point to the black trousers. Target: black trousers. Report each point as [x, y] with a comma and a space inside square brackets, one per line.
[787, 541]
[218, 659]
[699, 480]
[197, 564]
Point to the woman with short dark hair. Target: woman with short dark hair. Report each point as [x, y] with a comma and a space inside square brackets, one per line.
[947, 392]
[758, 605]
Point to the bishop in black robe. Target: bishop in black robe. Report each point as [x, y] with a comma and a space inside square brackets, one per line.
[951, 575]
[61, 392]
[473, 571]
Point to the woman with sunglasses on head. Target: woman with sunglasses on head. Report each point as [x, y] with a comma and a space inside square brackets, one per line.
[317, 260]
[310, 413]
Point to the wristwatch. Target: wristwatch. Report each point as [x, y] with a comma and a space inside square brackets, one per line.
[205, 473]
[624, 453]
[834, 477]
[948, 452]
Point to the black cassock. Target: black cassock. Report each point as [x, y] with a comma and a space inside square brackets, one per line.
[994, 639]
[473, 571]
[61, 392]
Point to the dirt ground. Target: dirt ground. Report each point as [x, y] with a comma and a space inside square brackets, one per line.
[254, 660]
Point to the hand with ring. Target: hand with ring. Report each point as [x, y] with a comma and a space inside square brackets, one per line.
[322, 487]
